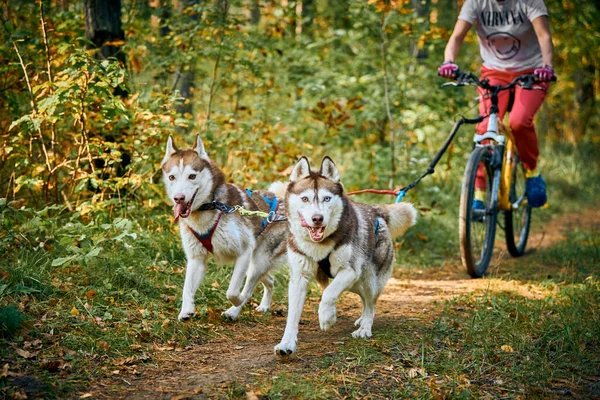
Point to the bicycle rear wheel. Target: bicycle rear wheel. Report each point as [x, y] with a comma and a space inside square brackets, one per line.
[477, 228]
[517, 220]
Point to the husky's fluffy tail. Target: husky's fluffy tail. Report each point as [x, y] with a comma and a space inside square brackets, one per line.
[278, 188]
[399, 217]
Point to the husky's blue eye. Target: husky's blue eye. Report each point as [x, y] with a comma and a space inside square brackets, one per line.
[305, 199]
[171, 177]
[192, 176]
[327, 199]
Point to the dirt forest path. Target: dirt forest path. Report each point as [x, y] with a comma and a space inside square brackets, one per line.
[246, 353]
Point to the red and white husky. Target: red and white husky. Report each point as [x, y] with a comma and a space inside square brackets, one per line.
[198, 190]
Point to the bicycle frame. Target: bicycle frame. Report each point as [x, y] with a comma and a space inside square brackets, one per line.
[504, 152]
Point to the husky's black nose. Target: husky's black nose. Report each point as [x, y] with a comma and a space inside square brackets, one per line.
[179, 198]
[317, 219]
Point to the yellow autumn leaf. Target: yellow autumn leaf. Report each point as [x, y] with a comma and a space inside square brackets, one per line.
[507, 348]
[74, 311]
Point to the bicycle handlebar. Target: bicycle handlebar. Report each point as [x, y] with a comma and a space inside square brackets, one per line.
[467, 78]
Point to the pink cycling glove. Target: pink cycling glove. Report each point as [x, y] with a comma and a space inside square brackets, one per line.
[545, 74]
[447, 69]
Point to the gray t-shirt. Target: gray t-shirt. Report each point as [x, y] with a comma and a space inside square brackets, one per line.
[507, 40]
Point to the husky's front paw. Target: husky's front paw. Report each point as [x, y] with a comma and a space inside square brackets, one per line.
[285, 348]
[327, 317]
[358, 322]
[363, 332]
[232, 313]
[186, 313]
[262, 308]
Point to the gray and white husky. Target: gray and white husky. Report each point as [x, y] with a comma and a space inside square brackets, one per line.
[198, 190]
[332, 236]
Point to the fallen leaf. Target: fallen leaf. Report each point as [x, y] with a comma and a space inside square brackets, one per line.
[74, 311]
[215, 284]
[4, 372]
[69, 351]
[51, 365]
[213, 314]
[24, 353]
[414, 372]
[166, 323]
[90, 294]
[507, 348]
[103, 345]
[19, 395]
[85, 396]
[250, 395]
[422, 237]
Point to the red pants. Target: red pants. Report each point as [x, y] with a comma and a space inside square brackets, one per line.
[526, 104]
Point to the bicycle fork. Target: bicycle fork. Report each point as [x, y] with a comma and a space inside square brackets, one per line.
[497, 158]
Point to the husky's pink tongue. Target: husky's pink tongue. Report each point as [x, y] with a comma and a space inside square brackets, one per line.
[180, 210]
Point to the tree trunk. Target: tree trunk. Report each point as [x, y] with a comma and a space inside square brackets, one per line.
[255, 12]
[309, 9]
[103, 28]
[422, 11]
[586, 99]
[339, 14]
[185, 75]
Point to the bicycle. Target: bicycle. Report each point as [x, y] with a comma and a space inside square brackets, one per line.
[495, 157]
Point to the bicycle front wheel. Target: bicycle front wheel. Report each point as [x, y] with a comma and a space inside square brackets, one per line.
[477, 220]
[518, 219]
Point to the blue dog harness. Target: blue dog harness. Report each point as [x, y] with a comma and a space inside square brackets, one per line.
[273, 207]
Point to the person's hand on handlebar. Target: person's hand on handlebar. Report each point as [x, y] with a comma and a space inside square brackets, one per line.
[544, 74]
[448, 69]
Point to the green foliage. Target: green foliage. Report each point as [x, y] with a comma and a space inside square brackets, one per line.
[10, 318]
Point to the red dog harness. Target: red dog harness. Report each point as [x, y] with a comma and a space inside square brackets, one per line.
[206, 239]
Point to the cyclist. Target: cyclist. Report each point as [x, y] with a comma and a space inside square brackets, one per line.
[514, 39]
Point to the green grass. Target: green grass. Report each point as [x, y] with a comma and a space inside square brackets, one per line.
[102, 305]
[504, 344]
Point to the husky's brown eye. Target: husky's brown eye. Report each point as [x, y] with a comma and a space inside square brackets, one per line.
[171, 177]
[327, 199]
[305, 199]
[192, 176]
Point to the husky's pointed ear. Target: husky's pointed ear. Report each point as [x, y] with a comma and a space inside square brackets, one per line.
[329, 170]
[171, 148]
[200, 148]
[301, 170]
